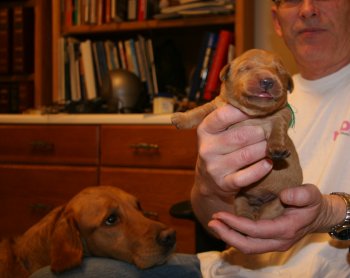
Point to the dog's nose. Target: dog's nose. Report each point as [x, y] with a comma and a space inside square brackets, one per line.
[167, 238]
[266, 83]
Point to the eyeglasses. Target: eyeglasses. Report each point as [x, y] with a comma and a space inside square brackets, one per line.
[293, 3]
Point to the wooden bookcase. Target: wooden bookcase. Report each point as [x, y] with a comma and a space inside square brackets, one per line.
[187, 33]
[42, 74]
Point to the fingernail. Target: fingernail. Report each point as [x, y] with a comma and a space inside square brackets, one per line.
[268, 164]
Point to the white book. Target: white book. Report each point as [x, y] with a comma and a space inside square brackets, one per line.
[88, 64]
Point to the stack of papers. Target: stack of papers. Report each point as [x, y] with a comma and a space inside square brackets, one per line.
[195, 8]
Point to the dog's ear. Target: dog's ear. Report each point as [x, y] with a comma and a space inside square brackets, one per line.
[224, 72]
[66, 245]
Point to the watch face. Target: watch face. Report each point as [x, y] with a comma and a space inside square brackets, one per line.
[343, 233]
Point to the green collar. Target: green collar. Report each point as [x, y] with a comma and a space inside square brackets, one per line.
[292, 120]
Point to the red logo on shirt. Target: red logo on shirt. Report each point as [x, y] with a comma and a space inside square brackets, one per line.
[344, 130]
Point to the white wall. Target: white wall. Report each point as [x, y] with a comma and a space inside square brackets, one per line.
[265, 36]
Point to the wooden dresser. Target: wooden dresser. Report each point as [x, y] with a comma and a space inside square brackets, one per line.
[44, 165]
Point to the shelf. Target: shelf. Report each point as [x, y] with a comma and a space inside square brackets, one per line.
[149, 25]
[186, 33]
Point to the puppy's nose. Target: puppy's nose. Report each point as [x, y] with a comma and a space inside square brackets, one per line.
[167, 238]
[266, 83]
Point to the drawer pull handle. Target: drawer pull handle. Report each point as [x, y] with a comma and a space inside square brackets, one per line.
[145, 147]
[42, 147]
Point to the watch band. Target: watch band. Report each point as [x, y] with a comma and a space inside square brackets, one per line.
[337, 231]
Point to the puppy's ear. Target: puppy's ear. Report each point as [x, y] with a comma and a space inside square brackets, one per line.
[224, 72]
[66, 245]
[290, 84]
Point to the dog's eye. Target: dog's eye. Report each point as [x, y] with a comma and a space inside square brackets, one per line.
[112, 219]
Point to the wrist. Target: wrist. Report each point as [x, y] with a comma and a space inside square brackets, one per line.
[341, 230]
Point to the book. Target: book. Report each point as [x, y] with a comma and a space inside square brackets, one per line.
[23, 40]
[200, 74]
[150, 55]
[119, 10]
[25, 95]
[74, 71]
[192, 5]
[102, 62]
[132, 10]
[5, 39]
[88, 69]
[107, 11]
[4, 98]
[122, 55]
[131, 56]
[218, 62]
[141, 10]
[62, 62]
[146, 62]
[16, 97]
[97, 67]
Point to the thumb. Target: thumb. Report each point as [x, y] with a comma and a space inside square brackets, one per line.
[301, 196]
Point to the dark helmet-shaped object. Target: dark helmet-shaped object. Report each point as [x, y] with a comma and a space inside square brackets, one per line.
[121, 91]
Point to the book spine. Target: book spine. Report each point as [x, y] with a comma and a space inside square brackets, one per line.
[23, 40]
[120, 12]
[202, 65]
[132, 10]
[107, 10]
[4, 98]
[141, 10]
[25, 95]
[219, 61]
[149, 45]
[5, 39]
[146, 61]
[88, 69]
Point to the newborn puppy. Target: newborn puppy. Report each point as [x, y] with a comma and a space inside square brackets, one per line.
[257, 83]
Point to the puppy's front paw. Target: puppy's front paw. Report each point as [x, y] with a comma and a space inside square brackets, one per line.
[179, 120]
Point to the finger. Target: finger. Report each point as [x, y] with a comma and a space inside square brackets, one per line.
[220, 119]
[247, 176]
[231, 140]
[245, 244]
[301, 196]
[264, 229]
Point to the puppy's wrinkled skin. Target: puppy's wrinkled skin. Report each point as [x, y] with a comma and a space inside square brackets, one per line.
[258, 84]
[101, 221]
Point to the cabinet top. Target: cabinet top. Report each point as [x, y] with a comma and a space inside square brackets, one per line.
[163, 119]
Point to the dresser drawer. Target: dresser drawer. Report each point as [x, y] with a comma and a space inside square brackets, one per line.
[53, 144]
[27, 192]
[158, 190]
[148, 146]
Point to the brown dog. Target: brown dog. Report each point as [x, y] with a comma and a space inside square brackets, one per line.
[99, 221]
[257, 83]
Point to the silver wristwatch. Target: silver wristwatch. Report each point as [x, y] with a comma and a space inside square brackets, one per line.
[342, 231]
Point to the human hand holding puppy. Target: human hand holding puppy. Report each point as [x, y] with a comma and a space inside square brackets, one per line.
[230, 159]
